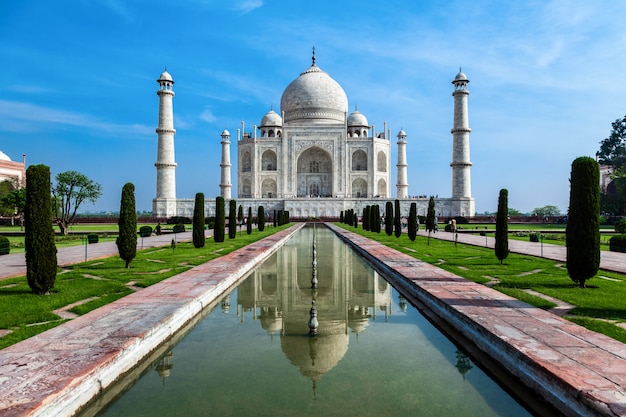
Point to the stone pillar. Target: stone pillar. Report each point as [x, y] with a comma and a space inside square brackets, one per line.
[461, 181]
[164, 205]
[225, 184]
[402, 187]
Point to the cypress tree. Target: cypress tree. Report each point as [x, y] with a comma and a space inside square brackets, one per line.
[502, 226]
[389, 218]
[356, 219]
[232, 219]
[274, 218]
[366, 218]
[198, 221]
[375, 218]
[412, 222]
[397, 219]
[249, 222]
[220, 220]
[240, 215]
[41, 252]
[127, 239]
[341, 217]
[261, 218]
[430, 215]
[582, 234]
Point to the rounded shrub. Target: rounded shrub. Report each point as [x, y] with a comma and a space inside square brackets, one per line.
[92, 238]
[5, 245]
[620, 226]
[618, 244]
[145, 231]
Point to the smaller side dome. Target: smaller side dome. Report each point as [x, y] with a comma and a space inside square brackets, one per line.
[271, 118]
[401, 134]
[357, 118]
[460, 78]
[225, 133]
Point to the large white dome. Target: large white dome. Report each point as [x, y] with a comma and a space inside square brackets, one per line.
[4, 157]
[314, 97]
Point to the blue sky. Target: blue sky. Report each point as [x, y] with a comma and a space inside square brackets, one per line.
[79, 89]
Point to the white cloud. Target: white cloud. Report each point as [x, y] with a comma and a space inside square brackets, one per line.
[208, 116]
[30, 117]
[246, 6]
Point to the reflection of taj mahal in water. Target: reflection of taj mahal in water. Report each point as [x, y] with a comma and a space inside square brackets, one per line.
[314, 159]
[349, 294]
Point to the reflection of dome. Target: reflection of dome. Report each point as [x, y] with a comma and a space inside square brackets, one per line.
[357, 118]
[315, 356]
[4, 157]
[271, 320]
[315, 97]
[358, 319]
[271, 118]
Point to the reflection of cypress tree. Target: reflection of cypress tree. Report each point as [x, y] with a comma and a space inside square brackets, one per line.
[463, 363]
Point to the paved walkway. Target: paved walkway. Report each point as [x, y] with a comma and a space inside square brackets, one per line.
[14, 264]
[610, 261]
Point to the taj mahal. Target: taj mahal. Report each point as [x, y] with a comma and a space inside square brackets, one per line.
[313, 159]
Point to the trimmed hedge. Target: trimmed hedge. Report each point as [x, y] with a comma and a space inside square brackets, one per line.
[620, 226]
[5, 245]
[618, 244]
[92, 238]
[145, 231]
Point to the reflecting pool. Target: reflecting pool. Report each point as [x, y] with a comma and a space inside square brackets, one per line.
[373, 355]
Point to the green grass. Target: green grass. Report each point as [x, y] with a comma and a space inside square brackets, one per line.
[106, 279]
[603, 299]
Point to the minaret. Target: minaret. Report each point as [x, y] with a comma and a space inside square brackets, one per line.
[402, 187]
[165, 201]
[461, 181]
[225, 185]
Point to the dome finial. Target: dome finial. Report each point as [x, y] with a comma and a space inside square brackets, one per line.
[313, 57]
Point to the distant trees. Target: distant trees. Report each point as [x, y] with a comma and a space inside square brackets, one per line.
[127, 224]
[389, 218]
[232, 219]
[412, 222]
[397, 219]
[613, 153]
[501, 247]
[546, 211]
[41, 252]
[220, 220]
[198, 221]
[71, 190]
[582, 234]
[14, 202]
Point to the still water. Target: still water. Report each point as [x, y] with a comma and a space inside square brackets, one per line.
[373, 355]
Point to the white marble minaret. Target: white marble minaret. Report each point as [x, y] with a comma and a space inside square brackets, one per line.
[225, 185]
[164, 205]
[402, 187]
[461, 181]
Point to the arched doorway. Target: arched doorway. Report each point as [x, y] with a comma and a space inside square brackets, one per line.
[315, 173]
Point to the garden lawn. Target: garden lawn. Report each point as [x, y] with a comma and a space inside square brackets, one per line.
[103, 281]
[598, 306]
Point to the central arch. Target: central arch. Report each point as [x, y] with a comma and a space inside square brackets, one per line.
[315, 173]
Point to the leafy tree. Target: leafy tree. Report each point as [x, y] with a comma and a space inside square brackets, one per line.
[249, 222]
[430, 215]
[198, 221]
[72, 189]
[502, 226]
[261, 214]
[41, 253]
[232, 219]
[220, 220]
[397, 219]
[514, 212]
[613, 149]
[412, 222]
[6, 187]
[15, 201]
[127, 239]
[389, 218]
[546, 211]
[582, 235]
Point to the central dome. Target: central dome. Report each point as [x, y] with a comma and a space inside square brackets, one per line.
[314, 97]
